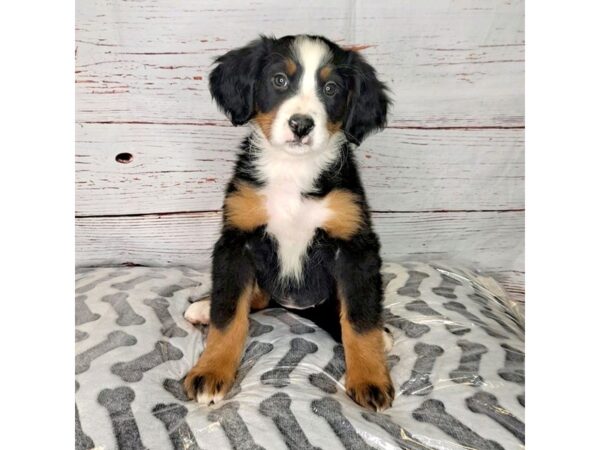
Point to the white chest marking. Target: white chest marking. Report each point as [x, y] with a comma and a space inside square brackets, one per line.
[292, 218]
[293, 221]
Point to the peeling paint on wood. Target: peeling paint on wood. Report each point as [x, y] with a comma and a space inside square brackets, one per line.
[486, 239]
[445, 62]
[445, 179]
[185, 168]
[481, 240]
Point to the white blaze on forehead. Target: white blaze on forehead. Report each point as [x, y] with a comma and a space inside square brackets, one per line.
[311, 55]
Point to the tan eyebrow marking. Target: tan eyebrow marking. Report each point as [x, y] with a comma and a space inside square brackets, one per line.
[290, 66]
[325, 72]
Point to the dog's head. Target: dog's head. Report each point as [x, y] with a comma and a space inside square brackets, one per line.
[300, 92]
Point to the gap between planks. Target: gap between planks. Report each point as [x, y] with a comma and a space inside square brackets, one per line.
[183, 213]
[228, 125]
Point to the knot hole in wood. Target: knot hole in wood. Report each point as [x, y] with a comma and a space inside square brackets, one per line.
[124, 158]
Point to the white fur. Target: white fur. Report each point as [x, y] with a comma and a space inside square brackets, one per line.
[198, 312]
[388, 341]
[293, 219]
[206, 399]
[288, 170]
[311, 54]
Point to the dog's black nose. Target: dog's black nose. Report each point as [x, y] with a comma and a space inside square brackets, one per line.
[301, 124]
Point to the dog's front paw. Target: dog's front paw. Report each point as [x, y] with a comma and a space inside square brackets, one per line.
[375, 395]
[207, 387]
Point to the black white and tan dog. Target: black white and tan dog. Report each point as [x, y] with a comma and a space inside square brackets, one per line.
[297, 230]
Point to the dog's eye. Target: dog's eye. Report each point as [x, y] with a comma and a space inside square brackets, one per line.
[280, 81]
[330, 88]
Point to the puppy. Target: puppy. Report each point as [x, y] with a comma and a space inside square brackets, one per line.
[297, 230]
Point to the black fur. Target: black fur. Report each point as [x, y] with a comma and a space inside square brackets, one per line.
[367, 111]
[241, 85]
[233, 81]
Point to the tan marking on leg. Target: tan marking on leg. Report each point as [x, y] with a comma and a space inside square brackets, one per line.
[290, 67]
[346, 214]
[368, 381]
[214, 373]
[259, 299]
[245, 208]
[265, 121]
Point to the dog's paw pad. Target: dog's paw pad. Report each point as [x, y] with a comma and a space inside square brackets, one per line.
[206, 388]
[373, 396]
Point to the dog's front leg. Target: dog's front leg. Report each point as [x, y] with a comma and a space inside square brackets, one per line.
[233, 283]
[359, 288]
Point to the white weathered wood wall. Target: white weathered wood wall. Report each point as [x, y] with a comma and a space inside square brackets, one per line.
[445, 180]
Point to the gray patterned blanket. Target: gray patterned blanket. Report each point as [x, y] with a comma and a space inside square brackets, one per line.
[457, 363]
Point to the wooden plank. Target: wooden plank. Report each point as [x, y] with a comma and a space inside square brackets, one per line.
[487, 240]
[141, 77]
[449, 63]
[185, 168]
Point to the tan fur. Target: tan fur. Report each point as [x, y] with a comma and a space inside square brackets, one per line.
[259, 299]
[219, 361]
[245, 208]
[365, 364]
[290, 67]
[265, 121]
[325, 72]
[333, 127]
[347, 215]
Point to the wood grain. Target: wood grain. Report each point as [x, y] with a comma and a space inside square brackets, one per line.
[185, 168]
[446, 179]
[448, 63]
[486, 239]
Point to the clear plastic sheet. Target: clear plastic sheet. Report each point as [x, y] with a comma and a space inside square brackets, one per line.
[457, 364]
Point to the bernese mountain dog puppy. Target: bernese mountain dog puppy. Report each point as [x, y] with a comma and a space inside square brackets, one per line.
[297, 230]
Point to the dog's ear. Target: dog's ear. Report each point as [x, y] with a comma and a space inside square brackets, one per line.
[367, 102]
[232, 82]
